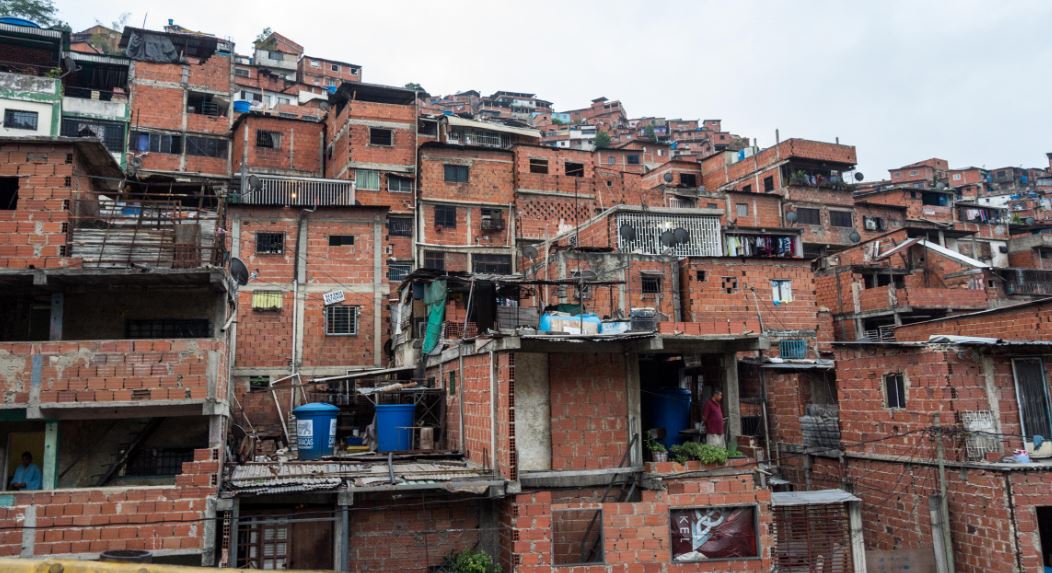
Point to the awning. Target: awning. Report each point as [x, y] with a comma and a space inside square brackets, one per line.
[816, 497]
[487, 126]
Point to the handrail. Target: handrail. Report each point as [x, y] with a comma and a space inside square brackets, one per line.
[586, 553]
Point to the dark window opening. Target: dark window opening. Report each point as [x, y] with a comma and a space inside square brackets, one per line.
[699, 275]
[427, 128]
[206, 104]
[492, 219]
[729, 285]
[632, 159]
[257, 383]
[688, 180]
[435, 260]
[807, 216]
[456, 173]
[20, 119]
[1032, 393]
[8, 193]
[935, 199]
[168, 328]
[153, 462]
[398, 271]
[539, 166]
[341, 320]
[747, 189]
[341, 240]
[873, 223]
[380, 136]
[492, 264]
[242, 73]
[400, 226]
[768, 184]
[156, 142]
[650, 284]
[894, 390]
[397, 184]
[270, 243]
[110, 134]
[574, 169]
[206, 147]
[445, 216]
[268, 139]
[1044, 527]
[840, 218]
[577, 536]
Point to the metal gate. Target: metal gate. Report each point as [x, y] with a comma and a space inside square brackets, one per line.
[813, 538]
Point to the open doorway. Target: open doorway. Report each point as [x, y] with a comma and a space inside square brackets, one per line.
[674, 390]
[18, 444]
[1044, 525]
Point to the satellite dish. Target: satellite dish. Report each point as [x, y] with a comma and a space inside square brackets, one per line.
[239, 271]
[254, 183]
[627, 232]
[790, 216]
[680, 235]
[859, 176]
[667, 238]
[854, 237]
[668, 177]
[529, 251]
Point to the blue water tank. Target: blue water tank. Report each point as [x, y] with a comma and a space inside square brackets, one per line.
[13, 21]
[332, 89]
[315, 430]
[668, 408]
[394, 427]
[242, 106]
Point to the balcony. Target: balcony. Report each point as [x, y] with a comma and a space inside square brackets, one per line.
[295, 191]
[884, 298]
[62, 376]
[1027, 282]
[94, 107]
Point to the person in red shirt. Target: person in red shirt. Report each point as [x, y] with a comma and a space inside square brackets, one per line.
[712, 415]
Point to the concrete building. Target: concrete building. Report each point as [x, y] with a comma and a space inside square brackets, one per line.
[30, 88]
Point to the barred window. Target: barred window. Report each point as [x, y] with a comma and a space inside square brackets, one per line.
[268, 139]
[400, 226]
[270, 243]
[341, 320]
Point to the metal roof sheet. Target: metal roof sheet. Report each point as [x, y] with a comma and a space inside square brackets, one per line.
[816, 497]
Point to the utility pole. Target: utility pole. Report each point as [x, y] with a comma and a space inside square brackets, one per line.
[944, 502]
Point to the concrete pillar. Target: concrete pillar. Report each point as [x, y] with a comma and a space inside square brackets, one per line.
[858, 546]
[57, 304]
[344, 501]
[49, 465]
[731, 396]
[635, 415]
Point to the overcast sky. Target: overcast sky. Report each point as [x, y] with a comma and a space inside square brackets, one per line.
[902, 80]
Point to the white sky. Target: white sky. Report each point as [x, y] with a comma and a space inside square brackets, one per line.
[903, 80]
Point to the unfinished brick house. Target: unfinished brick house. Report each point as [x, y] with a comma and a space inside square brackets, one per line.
[326, 73]
[180, 86]
[120, 401]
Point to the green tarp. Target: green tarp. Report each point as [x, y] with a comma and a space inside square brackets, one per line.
[435, 299]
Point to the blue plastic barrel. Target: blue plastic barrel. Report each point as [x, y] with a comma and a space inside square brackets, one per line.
[242, 106]
[669, 408]
[315, 430]
[394, 423]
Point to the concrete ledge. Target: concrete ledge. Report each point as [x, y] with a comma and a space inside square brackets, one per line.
[574, 478]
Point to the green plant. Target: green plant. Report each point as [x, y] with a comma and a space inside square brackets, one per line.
[603, 140]
[704, 453]
[655, 446]
[470, 561]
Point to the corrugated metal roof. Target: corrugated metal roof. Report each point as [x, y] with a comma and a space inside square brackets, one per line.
[816, 497]
[286, 477]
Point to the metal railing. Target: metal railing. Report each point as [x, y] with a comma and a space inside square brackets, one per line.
[302, 191]
[1030, 282]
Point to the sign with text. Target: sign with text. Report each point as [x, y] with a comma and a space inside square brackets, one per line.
[709, 533]
[333, 297]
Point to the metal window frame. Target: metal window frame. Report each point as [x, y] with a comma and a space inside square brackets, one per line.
[352, 321]
[655, 278]
[278, 252]
[390, 139]
[1019, 401]
[447, 211]
[391, 230]
[780, 284]
[408, 180]
[850, 216]
[448, 168]
[407, 265]
[492, 262]
[10, 113]
[902, 397]
[274, 136]
[816, 211]
[370, 172]
[434, 253]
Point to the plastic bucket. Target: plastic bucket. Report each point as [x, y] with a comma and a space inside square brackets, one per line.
[315, 430]
[393, 427]
[242, 106]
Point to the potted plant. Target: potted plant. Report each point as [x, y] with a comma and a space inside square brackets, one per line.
[658, 453]
[704, 453]
[470, 561]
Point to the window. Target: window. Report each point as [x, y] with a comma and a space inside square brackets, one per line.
[267, 300]
[452, 386]
[742, 209]
[781, 291]
[110, 134]
[446, 216]
[435, 260]
[380, 136]
[270, 243]
[688, 180]
[894, 390]
[268, 139]
[935, 199]
[354, 71]
[747, 189]
[493, 264]
[539, 166]
[20, 119]
[768, 184]
[367, 180]
[632, 159]
[396, 184]
[610, 160]
[873, 223]
[242, 73]
[456, 173]
[341, 320]
[205, 104]
[257, 383]
[400, 226]
[398, 271]
[699, 275]
[168, 328]
[276, 56]
[913, 171]
[8, 193]
[650, 284]
[956, 176]
[574, 169]
[792, 348]
[205, 147]
[427, 128]
[729, 284]
[334, 67]
[806, 216]
[341, 240]
[1032, 394]
[153, 462]
[156, 142]
[577, 536]
[840, 218]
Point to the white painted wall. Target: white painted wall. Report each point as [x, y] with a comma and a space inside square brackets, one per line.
[44, 117]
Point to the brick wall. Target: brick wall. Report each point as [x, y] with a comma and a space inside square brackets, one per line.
[411, 535]
[299, 152]
[113, 370]
[589, 412]
[90, 521]
[636, 536]
[474, 389]
[1020, 322]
